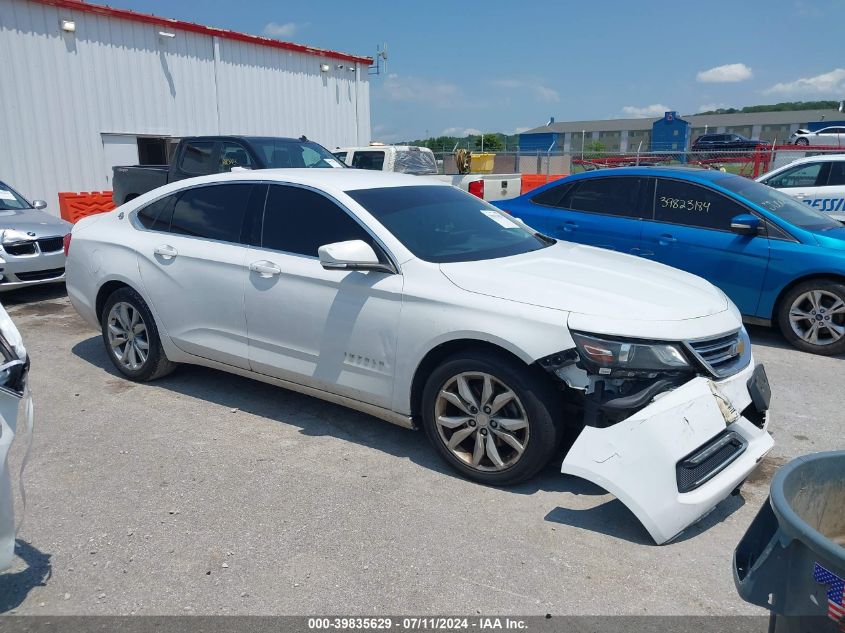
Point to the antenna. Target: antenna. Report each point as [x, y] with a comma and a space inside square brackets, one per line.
[381, 60]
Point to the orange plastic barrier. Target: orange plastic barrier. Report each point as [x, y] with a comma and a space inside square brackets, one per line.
[75, 206]
[532, 181]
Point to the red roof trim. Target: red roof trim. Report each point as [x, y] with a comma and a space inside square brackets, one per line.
[126, 14]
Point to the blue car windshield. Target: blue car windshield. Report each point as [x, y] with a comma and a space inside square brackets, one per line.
[779, 204]
[443, 224]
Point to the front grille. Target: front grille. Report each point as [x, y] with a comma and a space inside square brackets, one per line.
[723, 355]
[51, 244]
[709, 460]
[20, 248]
[38, 275]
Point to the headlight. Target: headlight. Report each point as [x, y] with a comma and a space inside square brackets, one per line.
[624, 357]
[11, 236]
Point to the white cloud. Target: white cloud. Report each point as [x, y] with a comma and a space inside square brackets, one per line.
[546, 95]
[460, 132]
[542, 94]
[709, 107]
[420, 90]
[645, 112]
[288, 29]
[725, 74]
[520, 129]
[830, 84]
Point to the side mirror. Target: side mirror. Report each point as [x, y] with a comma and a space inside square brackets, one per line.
[745, 224]
[39, 204]
[351, 255]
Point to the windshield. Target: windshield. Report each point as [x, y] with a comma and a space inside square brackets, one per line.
[779, 204]
[443, 224]
[279, 154]
[11, 200]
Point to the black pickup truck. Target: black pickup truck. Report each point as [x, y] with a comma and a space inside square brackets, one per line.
[203, 155]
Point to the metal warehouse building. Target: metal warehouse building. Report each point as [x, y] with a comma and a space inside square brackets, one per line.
[626, 135]
[87, 87]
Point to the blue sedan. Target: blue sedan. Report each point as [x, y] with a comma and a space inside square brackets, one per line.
[779, 260]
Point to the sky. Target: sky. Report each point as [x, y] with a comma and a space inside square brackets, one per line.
[458, 68]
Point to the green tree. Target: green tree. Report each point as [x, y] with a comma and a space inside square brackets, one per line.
[492, 143]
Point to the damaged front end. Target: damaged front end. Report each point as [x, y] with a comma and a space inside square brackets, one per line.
[670, 428]
[14, 369]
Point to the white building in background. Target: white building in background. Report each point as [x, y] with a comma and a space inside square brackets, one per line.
[87, 87]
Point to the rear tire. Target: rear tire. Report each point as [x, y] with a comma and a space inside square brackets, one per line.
[812, 316]
[131, 337]
[490, 418]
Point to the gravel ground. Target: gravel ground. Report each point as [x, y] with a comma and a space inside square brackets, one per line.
[206, 493]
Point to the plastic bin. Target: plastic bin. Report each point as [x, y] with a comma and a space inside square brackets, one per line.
[792, 558]
[481, 163]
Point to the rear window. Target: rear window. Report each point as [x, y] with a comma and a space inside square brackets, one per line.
[415, 161]
[198, 158]
[373, 160]
[214, 212]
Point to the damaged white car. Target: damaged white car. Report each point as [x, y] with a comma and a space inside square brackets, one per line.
[14, 396]
[423, 305]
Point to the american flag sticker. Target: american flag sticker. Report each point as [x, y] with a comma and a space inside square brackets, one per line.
[835, 589]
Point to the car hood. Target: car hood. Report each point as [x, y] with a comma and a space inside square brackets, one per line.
[33, 221]
[591, 281]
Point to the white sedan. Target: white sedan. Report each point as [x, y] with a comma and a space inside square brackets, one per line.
[818, 181]
[831, 136]
[422, 305]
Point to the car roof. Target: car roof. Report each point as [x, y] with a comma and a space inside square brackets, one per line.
[685, 173]
[814, 159]
[336, 179]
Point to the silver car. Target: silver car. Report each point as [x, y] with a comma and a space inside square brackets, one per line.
[832, 136]
[31, 242]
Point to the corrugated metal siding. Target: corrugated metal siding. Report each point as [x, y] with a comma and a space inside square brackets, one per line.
[117, 76]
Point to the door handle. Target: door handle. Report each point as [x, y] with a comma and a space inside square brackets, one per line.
[666, 239]
[567, 226]
[265, 269]
[166, 251]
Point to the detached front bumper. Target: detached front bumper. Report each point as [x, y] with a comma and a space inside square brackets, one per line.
[637, 460]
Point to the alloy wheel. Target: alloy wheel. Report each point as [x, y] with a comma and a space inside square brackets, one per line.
[482, 421]
[127, 334]
[818, 317]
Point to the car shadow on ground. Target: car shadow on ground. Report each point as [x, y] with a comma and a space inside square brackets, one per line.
[315, 417]
[15, 586]
[613, 518]
[32, 294]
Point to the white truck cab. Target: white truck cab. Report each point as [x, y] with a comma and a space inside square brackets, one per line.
[420, 161]
[818, 181]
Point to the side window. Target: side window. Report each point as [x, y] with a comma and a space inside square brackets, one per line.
[214, 212]
[299, 221]
[552, 196]
[368, 160]
[197, 158]
[798, 176]
[607, 196]
[341, 156]
[156, 215]
[233, 155]
[837, 173]
[689, 204]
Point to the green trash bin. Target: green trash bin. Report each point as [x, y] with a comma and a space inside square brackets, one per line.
[792, 558]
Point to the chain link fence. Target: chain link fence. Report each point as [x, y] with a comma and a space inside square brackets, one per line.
[748, 163]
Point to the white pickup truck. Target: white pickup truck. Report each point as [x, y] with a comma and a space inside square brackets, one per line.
[420, 161]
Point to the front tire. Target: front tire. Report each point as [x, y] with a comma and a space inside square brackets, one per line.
[802, 141]
[131, 337]
[812, 316]
[490, 418]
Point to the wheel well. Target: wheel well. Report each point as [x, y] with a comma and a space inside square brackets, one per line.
[107, 290]
[826, 277]
[440, 353]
